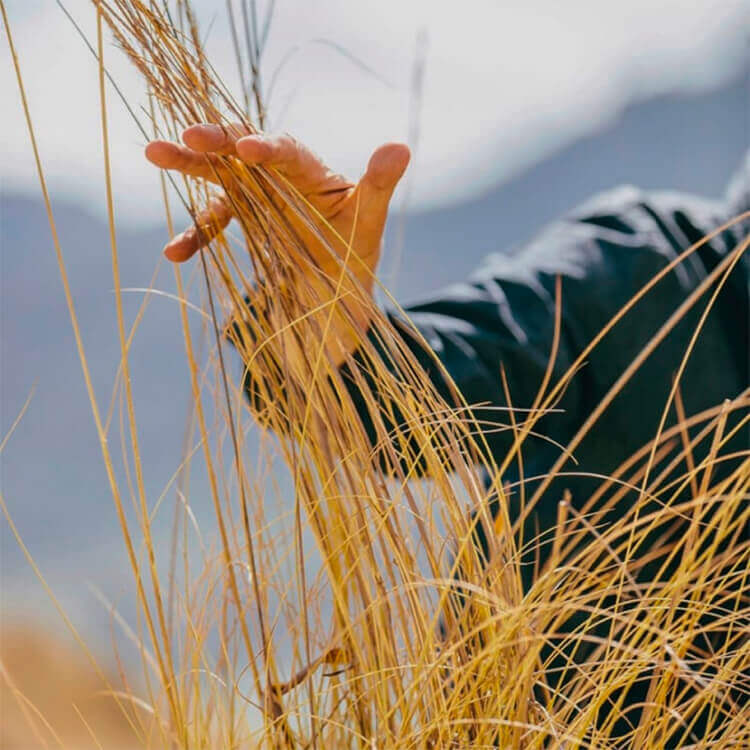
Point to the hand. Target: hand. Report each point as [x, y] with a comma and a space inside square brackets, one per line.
[338, 201]
[335, 198]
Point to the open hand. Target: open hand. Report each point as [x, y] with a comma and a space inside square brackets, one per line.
[336, 198]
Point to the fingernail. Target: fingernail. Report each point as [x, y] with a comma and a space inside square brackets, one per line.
[151, 151]
[172, 244]
[253, 141]
[203, 131]
[203, 127]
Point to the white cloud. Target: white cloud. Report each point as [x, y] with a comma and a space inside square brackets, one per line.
[504, 83]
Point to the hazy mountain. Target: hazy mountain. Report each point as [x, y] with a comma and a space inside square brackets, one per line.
[690, 143]
[52, 473]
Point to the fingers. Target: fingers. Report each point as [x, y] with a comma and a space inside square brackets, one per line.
[386, 167]
[210, 222]
[197, 157]
[205, 142]
[301, 166]
[280, 151]
[168, 155]
[214, 138]
[329, 192]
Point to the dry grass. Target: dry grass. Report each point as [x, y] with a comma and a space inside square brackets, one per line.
[385, 644]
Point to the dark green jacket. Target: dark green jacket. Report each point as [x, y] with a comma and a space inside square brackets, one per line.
[604, 251]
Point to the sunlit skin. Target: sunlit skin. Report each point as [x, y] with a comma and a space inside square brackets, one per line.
[337, 199]
[332, 194]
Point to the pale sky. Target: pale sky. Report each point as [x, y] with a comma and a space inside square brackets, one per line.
[505, 83]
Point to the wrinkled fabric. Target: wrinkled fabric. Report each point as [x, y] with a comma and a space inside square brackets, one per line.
[604, 252]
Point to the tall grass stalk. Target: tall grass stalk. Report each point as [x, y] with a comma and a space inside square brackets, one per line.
[368, 616]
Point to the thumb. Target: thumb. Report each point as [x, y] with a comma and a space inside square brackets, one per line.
[384, 170]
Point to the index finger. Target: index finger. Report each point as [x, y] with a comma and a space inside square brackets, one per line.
[215, 139]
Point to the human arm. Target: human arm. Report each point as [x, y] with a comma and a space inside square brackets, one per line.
[604, 252]
[504, 315]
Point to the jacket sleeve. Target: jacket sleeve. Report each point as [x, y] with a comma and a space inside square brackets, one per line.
[603, 252]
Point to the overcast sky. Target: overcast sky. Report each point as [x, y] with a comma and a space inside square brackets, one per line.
[504, 83]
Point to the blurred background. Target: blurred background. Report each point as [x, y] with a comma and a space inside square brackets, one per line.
[515, 111]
